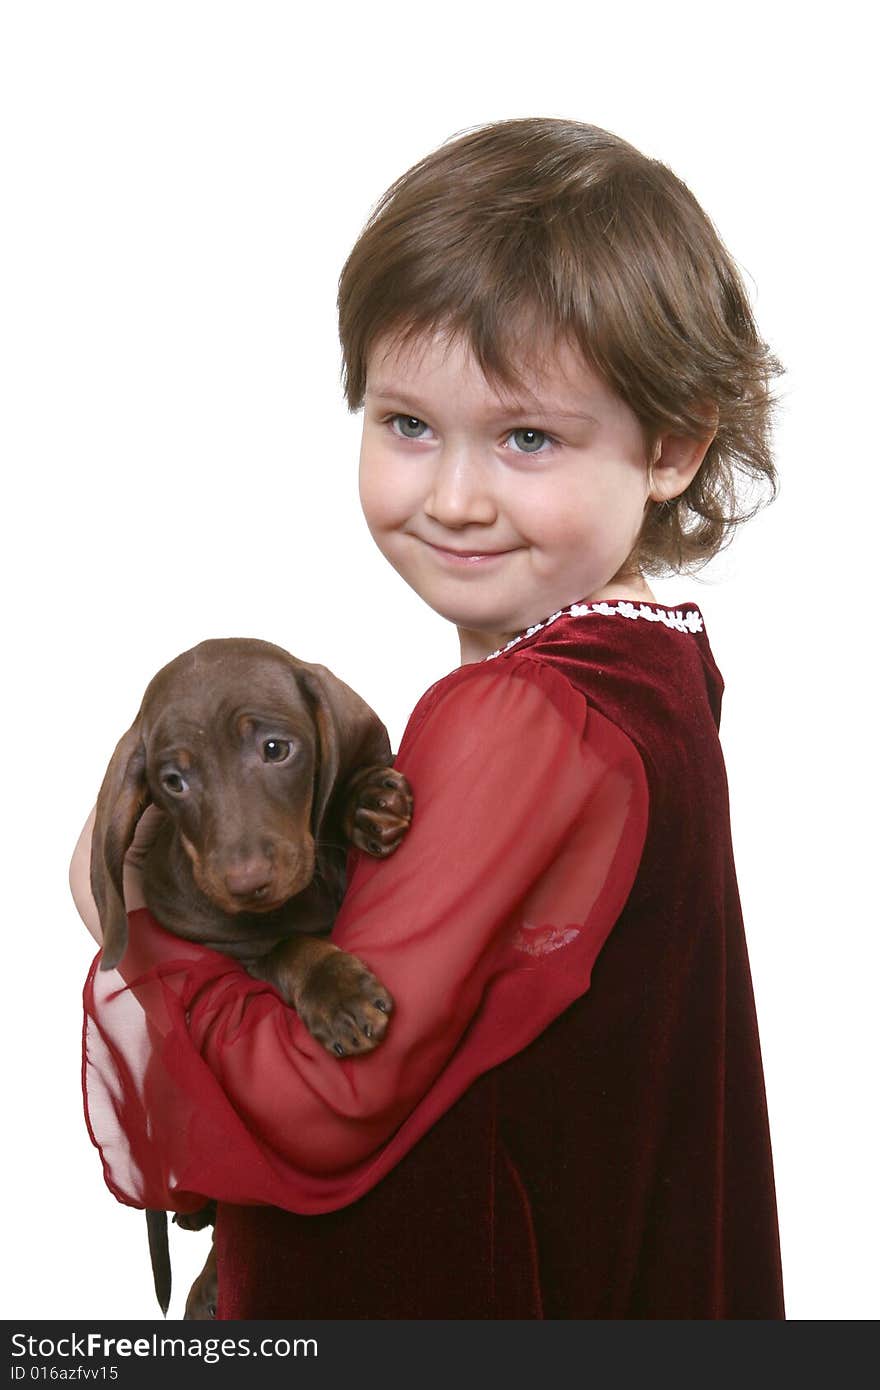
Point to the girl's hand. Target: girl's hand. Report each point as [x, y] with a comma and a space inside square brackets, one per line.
[132, 876]
[145, 834]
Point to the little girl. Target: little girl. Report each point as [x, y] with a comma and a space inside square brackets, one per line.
[563, 387]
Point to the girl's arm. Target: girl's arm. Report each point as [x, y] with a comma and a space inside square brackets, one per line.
[80, 885]
[528, 830]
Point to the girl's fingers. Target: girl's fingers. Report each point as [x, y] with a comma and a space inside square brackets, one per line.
[147, 829]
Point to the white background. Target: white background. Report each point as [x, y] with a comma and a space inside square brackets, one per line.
[181, 183]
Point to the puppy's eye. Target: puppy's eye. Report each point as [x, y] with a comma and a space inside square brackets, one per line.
[275, 750]
[174, 783]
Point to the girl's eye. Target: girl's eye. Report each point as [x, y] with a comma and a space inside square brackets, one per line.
[410, 426]
[275, 750]
[174, 783]
[529, 441]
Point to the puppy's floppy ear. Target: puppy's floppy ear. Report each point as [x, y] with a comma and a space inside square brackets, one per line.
[122, 800]
[350, 734]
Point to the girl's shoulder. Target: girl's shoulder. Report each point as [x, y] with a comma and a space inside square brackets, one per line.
[646, 667]
[483, 694]
[622, 654]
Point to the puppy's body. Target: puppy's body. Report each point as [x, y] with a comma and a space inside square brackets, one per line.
[266, 769]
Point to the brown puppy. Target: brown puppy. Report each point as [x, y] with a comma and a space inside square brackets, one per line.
[266, 768]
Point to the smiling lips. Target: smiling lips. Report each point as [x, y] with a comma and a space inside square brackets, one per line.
[467, 557]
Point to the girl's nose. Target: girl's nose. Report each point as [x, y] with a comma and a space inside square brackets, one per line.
[461, 490]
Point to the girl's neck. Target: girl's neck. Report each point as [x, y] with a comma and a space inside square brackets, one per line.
[475, 644]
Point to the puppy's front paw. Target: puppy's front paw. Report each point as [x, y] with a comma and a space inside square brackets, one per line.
[379, 811]
[196, 1220]
[344, 1006]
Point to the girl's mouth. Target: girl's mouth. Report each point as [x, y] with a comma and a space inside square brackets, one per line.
[466, 557]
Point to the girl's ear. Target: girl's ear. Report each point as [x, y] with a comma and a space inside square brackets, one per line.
[675, 460]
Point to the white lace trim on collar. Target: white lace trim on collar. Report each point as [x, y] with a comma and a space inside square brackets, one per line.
[681, 620]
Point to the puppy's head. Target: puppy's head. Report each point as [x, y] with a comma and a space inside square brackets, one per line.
[242, 747]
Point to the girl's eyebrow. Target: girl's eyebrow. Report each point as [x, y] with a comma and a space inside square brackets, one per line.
[389, 392]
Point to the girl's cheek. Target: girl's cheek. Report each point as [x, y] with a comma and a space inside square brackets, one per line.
[383, 496]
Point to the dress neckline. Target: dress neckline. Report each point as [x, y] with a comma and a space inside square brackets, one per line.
[687, 618]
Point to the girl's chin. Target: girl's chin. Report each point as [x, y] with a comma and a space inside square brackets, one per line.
[475, 620]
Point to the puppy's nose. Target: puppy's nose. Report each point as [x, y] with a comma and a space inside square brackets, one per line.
[251, 878]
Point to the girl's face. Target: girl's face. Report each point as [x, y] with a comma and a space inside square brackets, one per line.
[499, 510]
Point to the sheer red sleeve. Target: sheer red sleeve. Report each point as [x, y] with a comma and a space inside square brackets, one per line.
[529, 825]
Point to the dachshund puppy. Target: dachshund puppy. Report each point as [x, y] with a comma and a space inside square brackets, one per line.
[266, 769]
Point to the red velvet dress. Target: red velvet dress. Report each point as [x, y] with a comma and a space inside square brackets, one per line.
[567, 1118]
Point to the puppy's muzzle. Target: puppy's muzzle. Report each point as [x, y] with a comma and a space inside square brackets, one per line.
[252, 877]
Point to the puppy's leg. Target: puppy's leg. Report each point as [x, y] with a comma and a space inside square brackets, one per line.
[196, 1220]
[341, 1003]
[201, 1302]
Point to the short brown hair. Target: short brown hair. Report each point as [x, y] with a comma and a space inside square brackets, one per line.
[538, 229]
